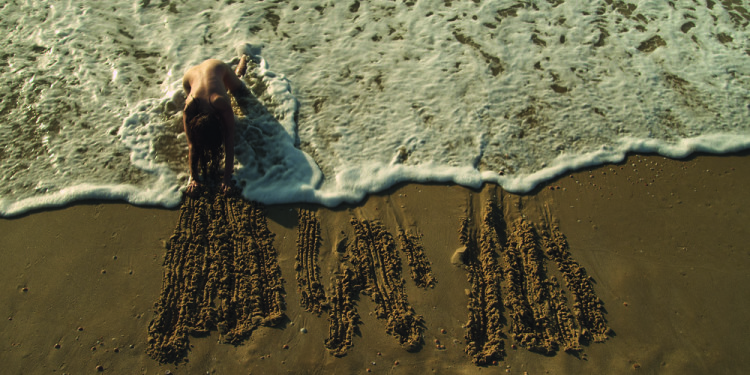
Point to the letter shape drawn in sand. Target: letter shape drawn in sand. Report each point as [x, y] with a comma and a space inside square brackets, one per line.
[539, 317]
[312, 295]
[421, 271]
[378, 272]
[484, 343]
[220, 272]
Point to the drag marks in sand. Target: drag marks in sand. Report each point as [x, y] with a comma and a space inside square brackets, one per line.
[539, 322]
[540, 319]
[378, 272]
[342, 312]
[342, 315]
[419, 266]
[587, 307]
[484, 343]
[312, 295]
[372, 267]
[220, 272]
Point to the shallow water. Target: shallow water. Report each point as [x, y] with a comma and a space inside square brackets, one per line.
[358, 96]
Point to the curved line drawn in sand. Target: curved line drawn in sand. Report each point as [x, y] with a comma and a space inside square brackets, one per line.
[529, 295]
[419, 266]
[342, 315]
[484, 337]
[587, 307]
[539, 316]
[220, 272]
[378, 272]
[312, 295]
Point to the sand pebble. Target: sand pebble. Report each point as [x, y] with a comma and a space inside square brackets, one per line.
[285, 346]
[395, 363]
[57, 346]
[303, 330]
[99, 368]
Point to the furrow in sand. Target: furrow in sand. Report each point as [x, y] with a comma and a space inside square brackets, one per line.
[378, 270]
[542, 321]
[588, 309]
[342, 315]
[484, 342]
[419, 266]
[312, 295]
[220, 272]
[539, 333]
[521, 316]
[539, 315]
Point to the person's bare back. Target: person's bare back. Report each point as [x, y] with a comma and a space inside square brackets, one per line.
[208, 113]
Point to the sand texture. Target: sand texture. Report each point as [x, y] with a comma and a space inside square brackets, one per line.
[309, 286]
[343, 316]
[220, 273]
[635, 267]
[419, 265]
[377, 269]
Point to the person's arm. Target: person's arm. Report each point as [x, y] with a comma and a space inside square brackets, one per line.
[241, 67]
[192, 159]
[233, 83]
[186, 83]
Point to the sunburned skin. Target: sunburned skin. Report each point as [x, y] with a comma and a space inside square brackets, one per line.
[208, 83]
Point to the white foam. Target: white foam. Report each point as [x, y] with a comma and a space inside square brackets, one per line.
[359, 98]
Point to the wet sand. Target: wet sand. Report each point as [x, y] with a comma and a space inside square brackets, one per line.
[662, 245]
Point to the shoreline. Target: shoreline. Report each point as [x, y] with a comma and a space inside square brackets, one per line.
[663, 240]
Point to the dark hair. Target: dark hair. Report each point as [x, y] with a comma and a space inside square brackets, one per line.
[204, 132]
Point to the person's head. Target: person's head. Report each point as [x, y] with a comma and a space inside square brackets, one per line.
[204, 131]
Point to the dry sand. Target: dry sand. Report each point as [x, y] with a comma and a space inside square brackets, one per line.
[665, 242]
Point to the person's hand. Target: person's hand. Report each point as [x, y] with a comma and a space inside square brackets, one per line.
[193, 189]
[228, 188]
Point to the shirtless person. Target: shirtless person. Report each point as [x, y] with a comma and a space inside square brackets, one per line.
[208, 118]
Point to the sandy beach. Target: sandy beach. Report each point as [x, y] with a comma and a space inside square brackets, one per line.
[664, 241]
